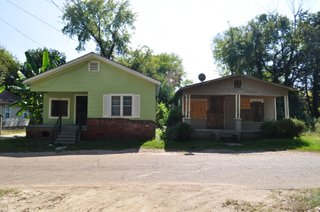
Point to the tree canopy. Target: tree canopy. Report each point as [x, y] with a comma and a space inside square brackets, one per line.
[166, 68]
[107, 23]
[37, 62]
[8, 67]
[275, 48]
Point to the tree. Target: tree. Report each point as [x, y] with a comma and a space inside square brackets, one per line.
[107, 23]
[33, 101]
[267, 48]
[310, 69]
[166, 68]
[9, 66]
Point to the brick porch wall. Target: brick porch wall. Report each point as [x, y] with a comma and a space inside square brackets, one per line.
[39, 132]
[98, 128]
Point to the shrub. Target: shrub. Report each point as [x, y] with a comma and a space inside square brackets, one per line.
[162, 114]
[175, 116]
[285, 128]
[179, 132]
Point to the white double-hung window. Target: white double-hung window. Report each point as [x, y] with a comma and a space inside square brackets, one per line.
[121, 105]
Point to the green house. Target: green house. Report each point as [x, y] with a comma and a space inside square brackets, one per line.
[104, 97]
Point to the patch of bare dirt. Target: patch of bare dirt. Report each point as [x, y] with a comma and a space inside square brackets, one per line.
[141, 197]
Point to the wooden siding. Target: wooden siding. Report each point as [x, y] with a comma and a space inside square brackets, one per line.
[109, 80]
[225, 87]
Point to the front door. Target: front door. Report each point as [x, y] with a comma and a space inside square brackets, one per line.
[81, 109]
[216, 112]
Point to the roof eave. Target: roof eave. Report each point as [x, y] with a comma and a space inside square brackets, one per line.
[82, 58]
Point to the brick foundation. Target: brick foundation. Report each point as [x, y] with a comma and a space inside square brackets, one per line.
[98, 128]
[39, 132]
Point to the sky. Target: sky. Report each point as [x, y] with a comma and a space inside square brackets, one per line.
[182, 27]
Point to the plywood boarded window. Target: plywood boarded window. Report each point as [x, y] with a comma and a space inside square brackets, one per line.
[245, 103]
[199, 108]
[252, 110]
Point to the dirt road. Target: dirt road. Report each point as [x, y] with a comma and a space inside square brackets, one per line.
[153, 181]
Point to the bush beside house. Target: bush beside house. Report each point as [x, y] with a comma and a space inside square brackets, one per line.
[285, 128]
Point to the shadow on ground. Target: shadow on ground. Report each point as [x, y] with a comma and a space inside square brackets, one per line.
[23, 147]
[247, 146]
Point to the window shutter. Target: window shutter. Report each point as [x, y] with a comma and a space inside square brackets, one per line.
[106, 106]
[136, 106]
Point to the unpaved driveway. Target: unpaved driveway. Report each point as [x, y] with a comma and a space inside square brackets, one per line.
[155, 181]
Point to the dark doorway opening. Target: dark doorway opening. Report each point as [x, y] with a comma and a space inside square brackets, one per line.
[81, 110]
[216, 112]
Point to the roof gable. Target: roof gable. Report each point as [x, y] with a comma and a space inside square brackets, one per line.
[224, 82]
[8, 98]
[81, 59]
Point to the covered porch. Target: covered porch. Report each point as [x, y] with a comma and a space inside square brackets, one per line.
[65, 115]
[231, 113]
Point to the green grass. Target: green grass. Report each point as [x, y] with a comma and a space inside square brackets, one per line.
[115, 144]
[153, 144]
[305, 200]
[312, 141]
[24, 145]
[307, 142]
[8, 191]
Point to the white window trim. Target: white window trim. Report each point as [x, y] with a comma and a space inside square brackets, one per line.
[94, 61]
[121, 106]
[256, 100]
[55, 117]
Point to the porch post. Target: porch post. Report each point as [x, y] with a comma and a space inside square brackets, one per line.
[286, 106]
[275, 108]
[237, 118]
[182, 107]
[189, 106]
[0, 124]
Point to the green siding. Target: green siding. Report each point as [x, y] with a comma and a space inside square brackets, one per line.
[109, 80]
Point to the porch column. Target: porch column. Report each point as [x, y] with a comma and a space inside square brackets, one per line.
[237, 118]
[189, 106]
[275, 108]
[286, 106]
[186, 106]
[183, 106]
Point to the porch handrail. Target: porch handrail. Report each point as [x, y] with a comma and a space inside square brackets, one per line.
[57, 129]
[78, 132]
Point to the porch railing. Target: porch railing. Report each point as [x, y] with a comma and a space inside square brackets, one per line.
[57, 129]
[78, 132]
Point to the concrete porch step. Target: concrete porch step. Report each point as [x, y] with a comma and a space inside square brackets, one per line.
[68, 135]
[224, 135]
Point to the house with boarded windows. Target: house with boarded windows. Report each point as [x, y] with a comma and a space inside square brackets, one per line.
[236, 104]
[101, 97]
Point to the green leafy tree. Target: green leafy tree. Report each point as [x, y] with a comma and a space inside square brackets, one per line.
[309, 82]
[107, 23]
[166, 68]
[9, 66]
[268, 47]
[33, 101]
[162, 114]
